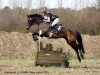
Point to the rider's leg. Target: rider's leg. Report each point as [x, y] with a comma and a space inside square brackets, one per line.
[55, 22]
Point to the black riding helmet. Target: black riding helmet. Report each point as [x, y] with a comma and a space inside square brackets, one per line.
[44, 11]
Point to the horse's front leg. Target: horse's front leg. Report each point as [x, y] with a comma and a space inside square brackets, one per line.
[38, 33]
[34, 35]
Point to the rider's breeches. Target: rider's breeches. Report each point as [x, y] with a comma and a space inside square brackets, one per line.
[55, 21]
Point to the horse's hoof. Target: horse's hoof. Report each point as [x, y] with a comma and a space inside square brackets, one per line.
[35, 39]
[83, 58]
[79, 60]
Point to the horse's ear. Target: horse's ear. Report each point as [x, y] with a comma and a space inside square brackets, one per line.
[27, 15]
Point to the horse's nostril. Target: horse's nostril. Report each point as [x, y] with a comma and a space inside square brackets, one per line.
[28, 28]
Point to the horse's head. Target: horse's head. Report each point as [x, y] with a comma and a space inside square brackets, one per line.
[33, 19]
[30, 22]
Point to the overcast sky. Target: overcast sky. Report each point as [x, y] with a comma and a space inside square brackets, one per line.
[74, 4]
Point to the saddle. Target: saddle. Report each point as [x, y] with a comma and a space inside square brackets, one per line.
[57, 28]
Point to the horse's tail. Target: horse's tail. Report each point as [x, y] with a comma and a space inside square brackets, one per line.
[79, 40]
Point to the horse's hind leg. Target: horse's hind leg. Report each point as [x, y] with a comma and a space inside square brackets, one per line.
[75, 47]
[79, 40]
[81, 52]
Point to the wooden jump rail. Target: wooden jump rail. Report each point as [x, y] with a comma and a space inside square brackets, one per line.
[50, 58]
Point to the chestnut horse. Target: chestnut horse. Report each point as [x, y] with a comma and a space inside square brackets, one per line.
[73, 38]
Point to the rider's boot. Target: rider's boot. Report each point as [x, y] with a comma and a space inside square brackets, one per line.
[56, 28]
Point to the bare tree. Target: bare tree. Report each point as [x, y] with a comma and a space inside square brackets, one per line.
[79, 4]
[76, 4]
[28, 3]
[20, 3]
[98, 4]
[0, 3]
[41, 3]
[13, 3]
[60, 3]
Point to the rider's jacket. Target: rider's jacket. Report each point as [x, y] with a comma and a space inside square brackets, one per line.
[51, 15]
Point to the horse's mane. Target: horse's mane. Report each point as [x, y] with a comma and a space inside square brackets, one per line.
[36, 15]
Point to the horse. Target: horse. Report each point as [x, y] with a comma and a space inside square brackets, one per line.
[73, 38]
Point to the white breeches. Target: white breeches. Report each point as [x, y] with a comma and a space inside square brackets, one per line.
[55, 21]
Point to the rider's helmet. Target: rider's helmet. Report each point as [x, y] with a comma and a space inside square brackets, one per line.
[44, 11]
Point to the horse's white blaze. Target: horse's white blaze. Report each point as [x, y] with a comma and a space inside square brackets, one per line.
[30, 19]
[40, 32]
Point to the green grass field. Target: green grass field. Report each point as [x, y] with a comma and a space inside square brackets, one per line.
[26, 66]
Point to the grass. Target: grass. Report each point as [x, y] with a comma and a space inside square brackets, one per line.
[25, 65]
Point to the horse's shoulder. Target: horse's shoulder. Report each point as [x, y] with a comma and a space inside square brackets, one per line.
[46, 24]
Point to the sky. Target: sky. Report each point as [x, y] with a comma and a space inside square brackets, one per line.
[74, 4]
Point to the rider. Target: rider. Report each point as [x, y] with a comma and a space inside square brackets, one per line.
[50, 18]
